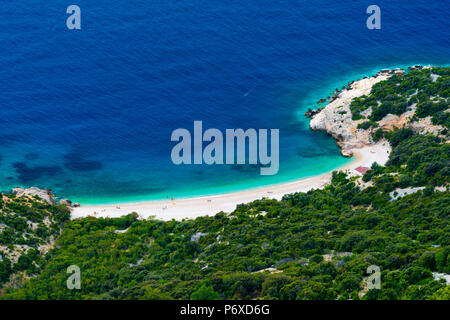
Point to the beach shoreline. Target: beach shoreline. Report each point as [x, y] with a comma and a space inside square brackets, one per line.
[191, 208]
[335, 119]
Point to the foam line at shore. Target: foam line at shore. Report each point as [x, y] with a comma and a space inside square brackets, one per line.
[365, 153]
[207, 206]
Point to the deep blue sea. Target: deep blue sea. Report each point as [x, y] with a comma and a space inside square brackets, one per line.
[89, 113]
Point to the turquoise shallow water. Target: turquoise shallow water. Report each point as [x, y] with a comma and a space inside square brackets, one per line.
[89, 114]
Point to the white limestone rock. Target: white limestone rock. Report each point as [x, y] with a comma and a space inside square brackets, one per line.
[336, 117]
[45, 195]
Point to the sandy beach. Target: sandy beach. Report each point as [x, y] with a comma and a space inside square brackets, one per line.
[356, 143]
[206, 206]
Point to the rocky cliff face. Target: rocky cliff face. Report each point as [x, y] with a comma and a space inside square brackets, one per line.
[336, 117]
[45, 195]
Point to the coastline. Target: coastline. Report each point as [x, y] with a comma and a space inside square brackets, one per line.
[89, 195]
[360, 85]
[211, 205]
[335, 119]
[352, 142]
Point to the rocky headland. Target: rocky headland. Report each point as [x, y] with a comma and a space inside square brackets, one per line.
[45, 195]
[336, 117]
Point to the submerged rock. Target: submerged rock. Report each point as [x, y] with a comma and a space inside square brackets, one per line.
[311, 113]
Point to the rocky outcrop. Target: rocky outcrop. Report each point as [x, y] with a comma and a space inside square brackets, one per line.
[336, 117]
[66, 202]
[45, 195]
[311, 113]
[420, 67]
[425, 126]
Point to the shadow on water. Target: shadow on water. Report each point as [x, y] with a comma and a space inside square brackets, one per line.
[75, 162]
[31, 156]
[26, 173]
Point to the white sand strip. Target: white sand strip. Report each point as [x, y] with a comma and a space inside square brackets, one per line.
[207, 206]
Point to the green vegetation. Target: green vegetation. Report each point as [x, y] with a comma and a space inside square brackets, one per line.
[205, 292]
[27, 226]
[367, 124]
[314, 245]
[428, 89]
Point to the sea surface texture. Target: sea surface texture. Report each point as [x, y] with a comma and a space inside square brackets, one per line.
[89, 113]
